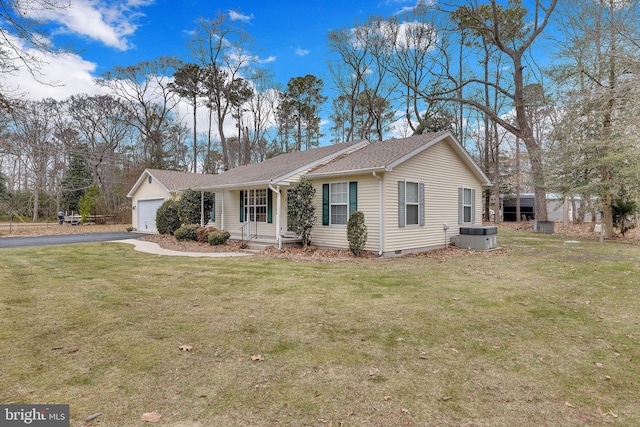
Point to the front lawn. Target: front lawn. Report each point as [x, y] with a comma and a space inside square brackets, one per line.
[542, 333]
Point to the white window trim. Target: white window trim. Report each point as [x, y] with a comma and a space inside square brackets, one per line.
[255, 206]
[332, 204]
[462, 205]
[406, 204]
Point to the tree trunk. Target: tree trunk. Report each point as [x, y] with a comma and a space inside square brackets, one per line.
[195, 136]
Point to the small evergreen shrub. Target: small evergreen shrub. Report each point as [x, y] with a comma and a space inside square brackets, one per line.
[624, 211]
[167, 218]
[202, 234]
[357, 233]
[301, 210]
[218, 237]
[190, 206]
[187, 232]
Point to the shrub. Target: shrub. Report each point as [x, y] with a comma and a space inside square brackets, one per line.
[202, 234]
[186, 232]
[624, 211]
[301, 210]
[167, 218]
[357, 233]
[218, 237]
[90, 201]
[190, 212]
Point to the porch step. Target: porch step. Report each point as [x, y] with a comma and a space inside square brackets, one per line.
[261, 243]
[257, 247]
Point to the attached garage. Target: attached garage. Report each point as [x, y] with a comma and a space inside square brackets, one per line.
[147, 214]
[154, 187]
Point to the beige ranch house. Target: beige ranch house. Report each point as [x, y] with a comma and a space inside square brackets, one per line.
[415, 193]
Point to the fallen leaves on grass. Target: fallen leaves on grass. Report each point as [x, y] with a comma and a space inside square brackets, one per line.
[257, 358]
[186, 348]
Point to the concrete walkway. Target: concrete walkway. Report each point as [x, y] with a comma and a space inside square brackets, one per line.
[154, 248]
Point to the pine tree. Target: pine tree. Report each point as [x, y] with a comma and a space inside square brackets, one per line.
[77, 178]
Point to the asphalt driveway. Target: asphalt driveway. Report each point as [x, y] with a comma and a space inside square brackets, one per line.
[63, 239]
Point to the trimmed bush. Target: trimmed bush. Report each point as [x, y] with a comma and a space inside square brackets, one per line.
[167, 218]
[202, 234]
[357, 233]
[300, 209]
[190, 203]
[218, 237]
[186, 232]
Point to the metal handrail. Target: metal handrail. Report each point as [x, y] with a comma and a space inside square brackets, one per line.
[250, 236]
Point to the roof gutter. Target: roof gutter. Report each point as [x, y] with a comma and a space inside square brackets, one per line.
[349, 172]
[241, 185]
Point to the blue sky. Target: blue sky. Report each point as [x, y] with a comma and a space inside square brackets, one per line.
[289, 35]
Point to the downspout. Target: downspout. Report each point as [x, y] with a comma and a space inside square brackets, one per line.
[278, 200]
[380, 219]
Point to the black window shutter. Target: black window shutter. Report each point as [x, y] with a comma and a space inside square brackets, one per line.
[353, 196]
[241, 206]
[325, 204]
[269, 206]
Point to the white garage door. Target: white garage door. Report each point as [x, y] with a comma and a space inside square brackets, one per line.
[147, 215]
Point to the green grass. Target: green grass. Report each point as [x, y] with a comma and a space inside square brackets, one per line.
[538, 334]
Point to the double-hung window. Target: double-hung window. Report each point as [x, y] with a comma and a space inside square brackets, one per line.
[410, 203]
[339, 199]
[339, 203]
[466, 205]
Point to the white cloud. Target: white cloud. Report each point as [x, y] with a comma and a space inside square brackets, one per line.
[58, 77]
[109, 23]
[302, 52]
[237, 16]
[267, 60]
[410, 9]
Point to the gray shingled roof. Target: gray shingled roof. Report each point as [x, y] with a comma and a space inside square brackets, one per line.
[378, 155]
[339, 159]
[280, 167]
[177, 181]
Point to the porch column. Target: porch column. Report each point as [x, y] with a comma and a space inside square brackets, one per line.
[222, 211]
[278, 202]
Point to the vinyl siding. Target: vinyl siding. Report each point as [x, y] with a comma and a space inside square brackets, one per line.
[335, 236]
[442, 172]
